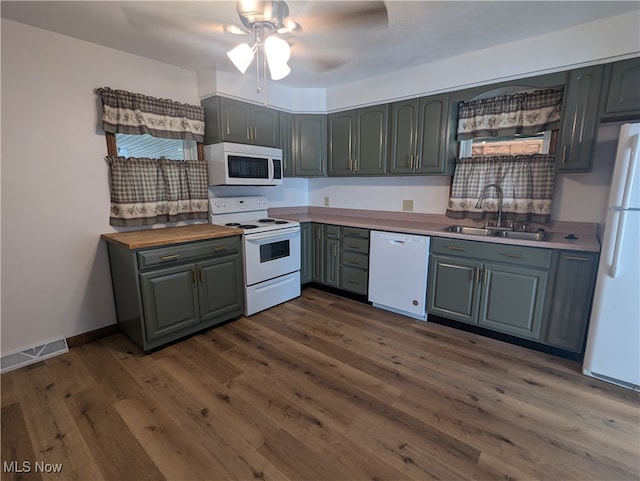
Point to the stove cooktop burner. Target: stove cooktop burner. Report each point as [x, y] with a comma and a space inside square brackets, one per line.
[233, 224]
[266, 221]
[282, 222]
[247, 226]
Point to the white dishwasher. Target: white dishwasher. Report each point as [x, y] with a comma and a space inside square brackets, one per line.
[398, 265]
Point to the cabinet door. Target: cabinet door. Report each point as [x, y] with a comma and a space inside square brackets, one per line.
[317, 252]
[265, 126]
[512, 299]
[306, 250]
[452, 291]
[371, 140]
[579, 119]
[169, 300]
[332, 262]
[403, 136]
[310, 144]
[432, 134]
[341, 147]
[624, 88]
[235, 118]
[220, 288]
[571, 303]
[286, 143]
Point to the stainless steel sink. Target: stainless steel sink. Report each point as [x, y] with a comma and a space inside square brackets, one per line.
[509, 234]
[462, 229]
[515, 234]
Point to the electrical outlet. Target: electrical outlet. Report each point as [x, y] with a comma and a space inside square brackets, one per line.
[326, 201]
[407, 205]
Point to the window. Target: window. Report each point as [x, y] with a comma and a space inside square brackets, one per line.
[540, 143]
[151, 147]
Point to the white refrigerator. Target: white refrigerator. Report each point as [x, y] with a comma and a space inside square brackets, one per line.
[613, 344]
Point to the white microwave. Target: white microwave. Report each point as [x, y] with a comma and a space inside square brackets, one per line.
[240, 164]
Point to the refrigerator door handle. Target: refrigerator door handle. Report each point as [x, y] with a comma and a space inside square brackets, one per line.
[621, 212]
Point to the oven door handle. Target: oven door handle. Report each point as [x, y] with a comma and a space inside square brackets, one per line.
[272, 235]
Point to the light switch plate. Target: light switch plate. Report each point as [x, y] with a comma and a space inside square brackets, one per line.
[407, 205]
[326, 201]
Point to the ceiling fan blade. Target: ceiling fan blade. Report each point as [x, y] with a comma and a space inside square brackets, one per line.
[321, 16]
[143, 18]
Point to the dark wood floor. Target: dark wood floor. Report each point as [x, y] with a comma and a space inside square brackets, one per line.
[319, 388]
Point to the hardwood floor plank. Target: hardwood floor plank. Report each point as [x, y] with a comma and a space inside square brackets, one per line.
[112, 444]
[18, 455]
[55, 436]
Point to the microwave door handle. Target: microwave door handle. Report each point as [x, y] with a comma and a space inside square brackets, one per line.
[271, 170]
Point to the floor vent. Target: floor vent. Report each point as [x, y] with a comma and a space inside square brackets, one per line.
[33, 355]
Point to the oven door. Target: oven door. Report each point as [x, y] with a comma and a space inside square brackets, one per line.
[271, 254]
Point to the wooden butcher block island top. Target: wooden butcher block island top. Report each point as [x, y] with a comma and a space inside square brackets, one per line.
[141, 239]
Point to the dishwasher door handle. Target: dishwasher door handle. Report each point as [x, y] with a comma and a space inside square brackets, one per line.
[396, 241]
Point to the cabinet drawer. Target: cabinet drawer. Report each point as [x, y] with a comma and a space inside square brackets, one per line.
[355, 232]
[355, 244]
[354, 280]
[487, 251]
[184, 252]
[332, 231]
[353, 259]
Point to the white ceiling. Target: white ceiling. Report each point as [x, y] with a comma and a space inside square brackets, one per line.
[324, 54]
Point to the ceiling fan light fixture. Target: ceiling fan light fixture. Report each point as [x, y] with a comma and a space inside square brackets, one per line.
[278, 53]
[242, 56]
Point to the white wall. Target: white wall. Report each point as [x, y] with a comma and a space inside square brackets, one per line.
[55, 193]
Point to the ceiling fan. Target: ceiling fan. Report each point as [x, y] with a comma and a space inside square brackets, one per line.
[269, 21]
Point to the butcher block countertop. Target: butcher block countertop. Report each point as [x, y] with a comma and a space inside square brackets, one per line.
[141, 239]
[577, 236]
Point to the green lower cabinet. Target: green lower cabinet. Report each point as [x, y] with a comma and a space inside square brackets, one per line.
[218, 296]
[452, 291]
[306, 252]
[332, 262]
[512, 300]
[170, 300]
[570, 305]
[168, 292]
[317, 252]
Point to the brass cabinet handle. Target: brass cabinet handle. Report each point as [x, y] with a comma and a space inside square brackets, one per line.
[456, 248]
[170, 258]
[417, 163]
[193, 276]
[354, 262]
[476, 275]
[411, 161]
[219, 249]
[484, 277]
[351, 281]
[516, 256]
[564, 153]
[201, 275]
[576, 258]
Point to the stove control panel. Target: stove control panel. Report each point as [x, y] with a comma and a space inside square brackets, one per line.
[228, 205]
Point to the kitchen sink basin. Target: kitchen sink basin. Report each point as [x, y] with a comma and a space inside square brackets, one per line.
[462, 229]
[497, 232]
[515, 234]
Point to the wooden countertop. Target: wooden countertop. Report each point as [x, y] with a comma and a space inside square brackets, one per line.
[140, 239]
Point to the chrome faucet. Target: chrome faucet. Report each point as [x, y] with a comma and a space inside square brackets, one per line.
[500, 198]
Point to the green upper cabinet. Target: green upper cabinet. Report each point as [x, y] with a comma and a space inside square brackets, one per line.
[286, 143]
[310, 145]
[341, 137]
[578, 130]
[622, 98]
[357, 141]
[228, 120]
[418, 135]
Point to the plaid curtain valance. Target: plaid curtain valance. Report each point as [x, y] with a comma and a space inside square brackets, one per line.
[149, 191]
[524, 113]
[131, 113]
[527, 182]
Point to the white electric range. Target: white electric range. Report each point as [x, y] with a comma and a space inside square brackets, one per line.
[271, 250]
